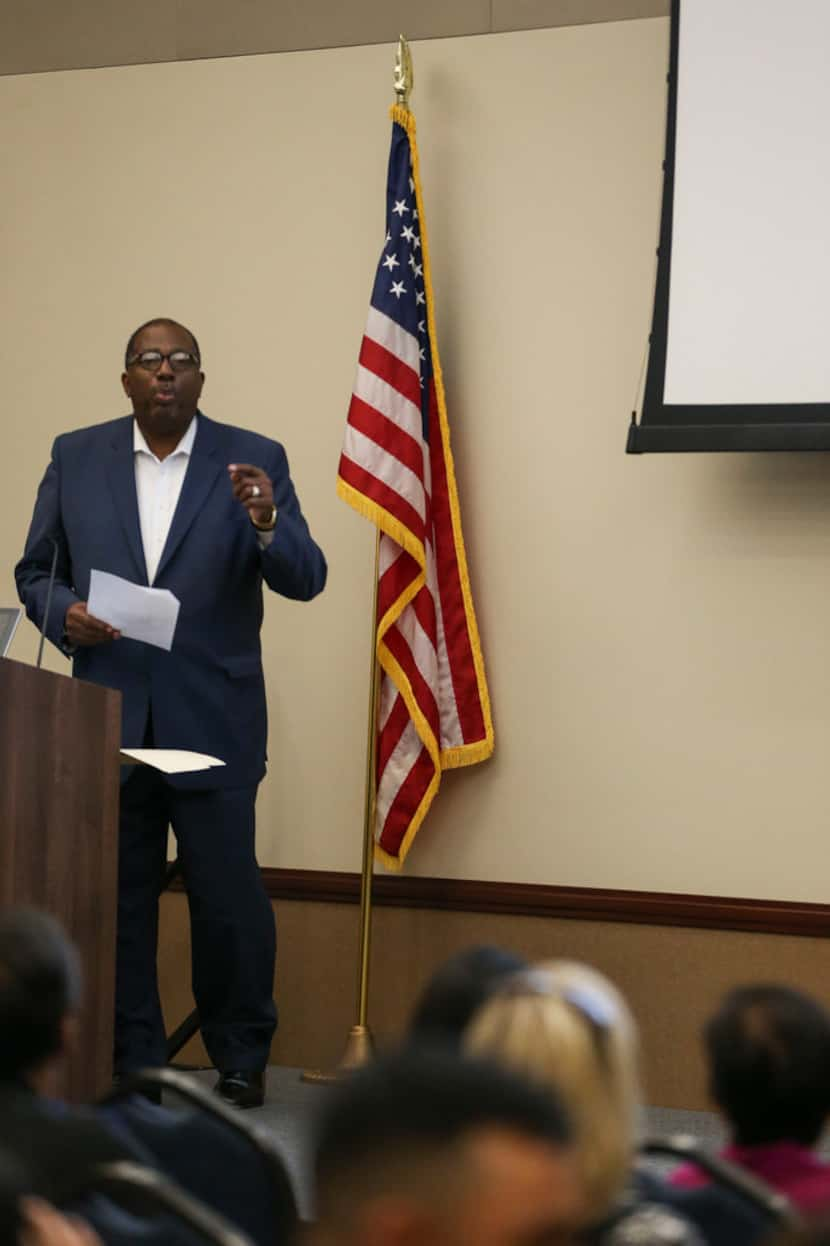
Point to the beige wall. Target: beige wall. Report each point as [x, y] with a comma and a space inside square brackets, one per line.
[673, 978]
[654, 628]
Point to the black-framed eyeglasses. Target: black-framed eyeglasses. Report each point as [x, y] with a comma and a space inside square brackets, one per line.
[151, 360]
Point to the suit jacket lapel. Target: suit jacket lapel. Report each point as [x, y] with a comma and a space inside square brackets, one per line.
[121, 477]
[204, 466]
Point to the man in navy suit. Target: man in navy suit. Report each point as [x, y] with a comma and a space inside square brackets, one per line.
[169, 498]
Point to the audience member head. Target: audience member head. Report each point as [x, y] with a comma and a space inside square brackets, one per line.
[768, 1052]
[457, 990]
[564, 1024]
[424, 1147]
[39, 995]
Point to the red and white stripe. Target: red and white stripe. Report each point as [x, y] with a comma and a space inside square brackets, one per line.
[424, 645]
[386, 458]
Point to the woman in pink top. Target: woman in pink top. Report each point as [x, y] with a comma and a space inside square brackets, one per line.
[768, 1053]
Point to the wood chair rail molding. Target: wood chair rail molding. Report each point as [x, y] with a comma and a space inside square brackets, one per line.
[648, 908]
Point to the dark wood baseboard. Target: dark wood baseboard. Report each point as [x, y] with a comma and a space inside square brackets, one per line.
[597, 904]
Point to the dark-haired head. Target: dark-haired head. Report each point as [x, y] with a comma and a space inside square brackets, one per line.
[768, 1050]
[437, 1136]
[151, 324]
[457, 990]
[39, 990]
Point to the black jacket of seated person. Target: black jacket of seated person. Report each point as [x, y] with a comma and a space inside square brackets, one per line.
[57, 1145]
[214, 1163]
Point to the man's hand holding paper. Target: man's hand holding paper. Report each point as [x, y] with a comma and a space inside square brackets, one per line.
[83, 629]
[148, 614]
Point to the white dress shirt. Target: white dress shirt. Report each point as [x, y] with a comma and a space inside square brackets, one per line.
[158, 483]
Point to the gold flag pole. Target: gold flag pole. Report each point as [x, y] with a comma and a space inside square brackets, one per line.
[359, 1045]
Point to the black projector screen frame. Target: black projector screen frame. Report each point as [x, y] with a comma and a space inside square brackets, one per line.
[668, 427]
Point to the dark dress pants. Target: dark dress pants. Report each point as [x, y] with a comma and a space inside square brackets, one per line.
[233, 935]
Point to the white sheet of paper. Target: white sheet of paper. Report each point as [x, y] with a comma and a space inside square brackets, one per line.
[148, 614]
[170, 760]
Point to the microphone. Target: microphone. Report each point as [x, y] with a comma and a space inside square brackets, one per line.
[48, 601]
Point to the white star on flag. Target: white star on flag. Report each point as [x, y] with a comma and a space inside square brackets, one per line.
[408, 233]
[398, 288]
[400, 207]
[390, 262]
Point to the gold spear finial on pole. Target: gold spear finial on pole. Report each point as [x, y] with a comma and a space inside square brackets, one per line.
[404, 76]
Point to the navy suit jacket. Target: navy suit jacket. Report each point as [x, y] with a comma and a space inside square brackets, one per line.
[208, 692]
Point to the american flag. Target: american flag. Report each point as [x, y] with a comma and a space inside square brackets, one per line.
[397, 469]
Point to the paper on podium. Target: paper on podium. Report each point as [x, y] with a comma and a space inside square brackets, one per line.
[170, 760]
[148, 614]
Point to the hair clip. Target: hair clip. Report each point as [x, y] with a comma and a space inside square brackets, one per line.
[594, 1004]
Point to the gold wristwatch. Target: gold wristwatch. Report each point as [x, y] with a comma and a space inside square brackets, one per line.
[271, 523]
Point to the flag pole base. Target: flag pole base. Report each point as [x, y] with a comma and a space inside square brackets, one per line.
[360, 1049]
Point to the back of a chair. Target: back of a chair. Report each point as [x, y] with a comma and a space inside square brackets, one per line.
[118, 1226]
[129, 1205]
[735, 1207]
[225, 1161]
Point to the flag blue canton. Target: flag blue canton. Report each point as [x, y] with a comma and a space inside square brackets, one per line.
[399, 290]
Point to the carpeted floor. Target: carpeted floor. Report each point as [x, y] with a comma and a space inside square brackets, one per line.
[288, 1114]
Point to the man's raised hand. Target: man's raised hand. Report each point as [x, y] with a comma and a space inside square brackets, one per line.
[253, 488]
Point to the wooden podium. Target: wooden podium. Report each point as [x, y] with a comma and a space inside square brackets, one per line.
[59, 787]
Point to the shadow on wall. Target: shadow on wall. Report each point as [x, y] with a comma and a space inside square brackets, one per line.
[775, 503]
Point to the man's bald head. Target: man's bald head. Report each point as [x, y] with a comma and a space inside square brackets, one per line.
[165, 322]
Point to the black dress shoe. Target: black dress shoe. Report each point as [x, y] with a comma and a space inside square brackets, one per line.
[243, 1088]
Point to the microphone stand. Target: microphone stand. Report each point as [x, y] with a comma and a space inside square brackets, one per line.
[52, 574]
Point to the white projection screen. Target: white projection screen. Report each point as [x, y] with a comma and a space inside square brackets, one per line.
[740, 345]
